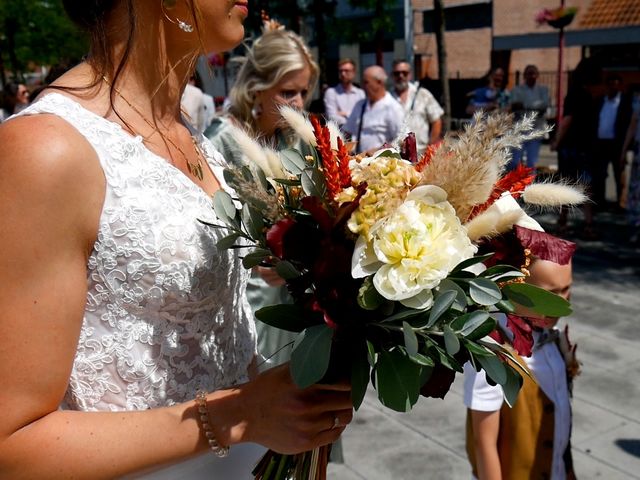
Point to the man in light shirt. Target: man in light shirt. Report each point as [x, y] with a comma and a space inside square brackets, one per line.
[376, 119]
[423, 113]
[614, 115]
[339, 100]
[529, 98]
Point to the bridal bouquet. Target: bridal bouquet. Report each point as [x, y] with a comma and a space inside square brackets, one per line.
[380, 257]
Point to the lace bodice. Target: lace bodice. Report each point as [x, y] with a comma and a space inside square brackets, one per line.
[165, 312]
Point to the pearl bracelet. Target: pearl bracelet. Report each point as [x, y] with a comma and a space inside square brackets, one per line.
[203, 413]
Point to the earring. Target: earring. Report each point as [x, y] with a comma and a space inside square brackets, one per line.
[256, 111]
[168, 5]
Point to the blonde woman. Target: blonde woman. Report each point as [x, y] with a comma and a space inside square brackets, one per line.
[126, 344]
[278, 70]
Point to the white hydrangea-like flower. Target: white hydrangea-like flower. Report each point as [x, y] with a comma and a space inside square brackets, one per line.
[414, 248]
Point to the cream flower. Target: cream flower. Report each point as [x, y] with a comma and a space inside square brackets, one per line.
[413, 249]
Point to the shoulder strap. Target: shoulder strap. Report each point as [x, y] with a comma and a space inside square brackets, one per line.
[364, 106]
[415, 96]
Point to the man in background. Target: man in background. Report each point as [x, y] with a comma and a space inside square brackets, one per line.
[340, 100]
[423, 113]
[376, 119]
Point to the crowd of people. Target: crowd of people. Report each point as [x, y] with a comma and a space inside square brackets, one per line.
[97, 217]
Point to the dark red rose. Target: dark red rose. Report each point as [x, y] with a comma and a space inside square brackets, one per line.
[275, 236]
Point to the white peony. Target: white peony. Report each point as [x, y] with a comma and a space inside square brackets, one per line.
[414, 248]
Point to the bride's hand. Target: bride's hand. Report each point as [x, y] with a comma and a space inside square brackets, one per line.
[287, 419]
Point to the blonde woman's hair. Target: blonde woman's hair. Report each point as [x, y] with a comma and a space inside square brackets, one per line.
[273, 55]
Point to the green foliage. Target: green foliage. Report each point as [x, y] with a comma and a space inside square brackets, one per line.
[311, 354]
[397, 380]
[38, 31]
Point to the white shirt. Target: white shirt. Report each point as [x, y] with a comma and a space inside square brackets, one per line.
[381, 122]
[421, 109]
[548, 368]
[534, 98]
[607, 121]
[337, 99]
[193, 105]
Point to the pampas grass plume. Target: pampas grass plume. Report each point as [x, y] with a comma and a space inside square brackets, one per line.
[252, 150]
[553, 194]
[299, 123]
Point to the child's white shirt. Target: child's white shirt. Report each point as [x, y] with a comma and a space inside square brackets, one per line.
[548, 368]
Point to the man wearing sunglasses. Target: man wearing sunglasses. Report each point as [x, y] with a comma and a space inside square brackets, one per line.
[423, 113]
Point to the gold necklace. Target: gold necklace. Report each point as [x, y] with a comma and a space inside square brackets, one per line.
[194, 168]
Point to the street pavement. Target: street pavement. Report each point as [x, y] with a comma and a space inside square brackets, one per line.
[428, 442]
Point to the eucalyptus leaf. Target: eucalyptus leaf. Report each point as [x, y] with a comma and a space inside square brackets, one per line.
[481, 331]
[255, 258]
[286, 270]
[293, 161]
[423, 360]
[227, 242]
[410, 339]
[499, 270]
[451, 342]
[371, 354]
[484, 292]
[470, 262]
[475, 319]
[494, 368]
[287, 182]
[253, 222]
[397, 380]
[224, 207]
[360, 372]
[475, 349]
[291, 318]
[537, 299]
[460, 302]
[313, 183]
[262, 178]
[441, 304]
[512, 386]
[459, 322]
[390, 153]
[446, 359]
[506, 306]
[403, 315]
[368, 297]
[310, 355]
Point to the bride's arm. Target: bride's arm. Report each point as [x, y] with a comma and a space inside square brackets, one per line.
[51, 194]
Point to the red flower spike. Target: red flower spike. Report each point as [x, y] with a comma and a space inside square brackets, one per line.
[514, 182]
[329, 162]
[427, 156]
[343, 163]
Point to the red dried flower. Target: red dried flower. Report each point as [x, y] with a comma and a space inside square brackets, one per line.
[427, 156]
[514, 182]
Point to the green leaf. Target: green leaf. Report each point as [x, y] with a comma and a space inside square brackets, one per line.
[397, 380]
[471, 261]
[310, 355]
[368, 296]
[360, 374]
[484, 292]
[403, 314]
[494, 368]
[458, 323]
[460, 302]
[313, 183]
[256, 257]
[423, 360]
[442, 303]
[475, 349]
[371, 354]
[499, 270]
[446, 359]
[291, 318]
[253, 222]
[287, 182]
[537, 299]
[224, 207]
[512, 386]
[286, 270]
[410, 339]
[390, 153]
[451, 342]
[479, 331]
[293, 161]
[227, 242]
[506, 306]
[262, 178]
[474, 320]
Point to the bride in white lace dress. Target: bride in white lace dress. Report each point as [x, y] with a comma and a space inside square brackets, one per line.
[116, 309]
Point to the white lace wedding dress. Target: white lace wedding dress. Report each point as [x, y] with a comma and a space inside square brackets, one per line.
[166, 313]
